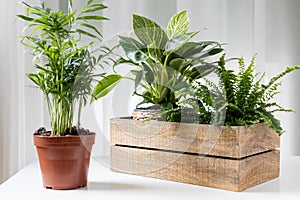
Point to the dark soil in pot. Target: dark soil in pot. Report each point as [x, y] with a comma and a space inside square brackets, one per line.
[64, 160]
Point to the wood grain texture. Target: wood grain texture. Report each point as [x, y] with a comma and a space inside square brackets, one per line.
[222, 173]
[234, 142]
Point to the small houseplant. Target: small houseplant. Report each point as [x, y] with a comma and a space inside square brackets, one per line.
[166, 62]
[233, 142]
[65, 75]
[247, 100]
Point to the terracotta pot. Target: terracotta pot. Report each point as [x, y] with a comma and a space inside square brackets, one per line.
[64, 161]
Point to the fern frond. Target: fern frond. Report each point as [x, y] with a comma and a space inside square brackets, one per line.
[282, 74]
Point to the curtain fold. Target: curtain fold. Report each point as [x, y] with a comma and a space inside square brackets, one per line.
[21, 108]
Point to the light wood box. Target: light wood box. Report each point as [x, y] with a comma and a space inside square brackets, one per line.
[234, 158]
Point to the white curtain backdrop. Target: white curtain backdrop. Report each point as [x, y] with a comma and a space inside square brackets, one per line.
[267, 27]
[21, 107]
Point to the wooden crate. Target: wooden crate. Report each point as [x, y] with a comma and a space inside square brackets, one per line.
[233, 158]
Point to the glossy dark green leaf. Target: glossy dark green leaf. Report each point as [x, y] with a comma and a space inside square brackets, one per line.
[181, 85]
[133, 49]
[139, 78]
[155, 53]
[92, 18]
[177, 42]
[215, 51]
[123, 61]
[130, 44]
[205, 69]
[26, 18]
[178, 64]
[106, 85]
[210, 52]
[148, 74]
[189, 49]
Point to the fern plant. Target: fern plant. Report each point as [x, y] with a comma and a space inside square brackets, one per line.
[166, 61]
[65, 67]
[248, 100]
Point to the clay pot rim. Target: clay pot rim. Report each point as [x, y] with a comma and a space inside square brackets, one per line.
[65, 136]
[64, 141]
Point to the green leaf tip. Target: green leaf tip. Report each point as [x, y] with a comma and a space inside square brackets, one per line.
[104, 86]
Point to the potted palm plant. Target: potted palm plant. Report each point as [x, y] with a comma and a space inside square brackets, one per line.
[65, 75]
[231, 144]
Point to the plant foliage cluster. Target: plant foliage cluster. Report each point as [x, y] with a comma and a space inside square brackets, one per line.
[65, 66]
[173, 71]
[248, 100]
[166, 61]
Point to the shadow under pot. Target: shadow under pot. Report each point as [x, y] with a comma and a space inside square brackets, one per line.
[64, 160]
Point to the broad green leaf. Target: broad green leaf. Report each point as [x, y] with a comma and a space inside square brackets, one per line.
[205, 69]
[106, 85]
[177, 42]
[129, 44]
[215, 51]
[84, 18]
[133, 49]
[178, 25]
[123, 61]
[149, 32]
[155, 53]
[138, 78]
[210, 52]
[193, 48]
[189, 49]
[180, 85]
[148, 74]
[178, 64]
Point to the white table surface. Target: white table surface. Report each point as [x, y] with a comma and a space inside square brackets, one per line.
[106, 185]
